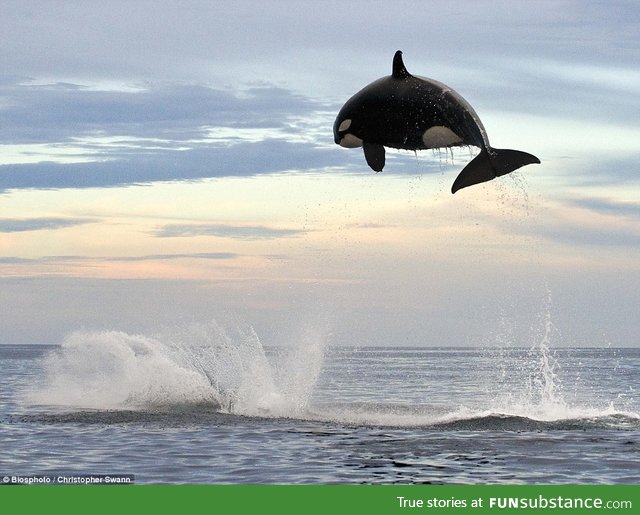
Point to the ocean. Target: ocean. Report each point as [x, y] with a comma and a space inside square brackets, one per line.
[208, 404]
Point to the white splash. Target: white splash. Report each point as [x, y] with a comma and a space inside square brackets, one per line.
[222, 365]
[535, 390]
[114, 369]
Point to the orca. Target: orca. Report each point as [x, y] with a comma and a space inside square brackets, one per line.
[409, 112]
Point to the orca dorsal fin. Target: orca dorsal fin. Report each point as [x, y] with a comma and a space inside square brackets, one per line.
[399, 71]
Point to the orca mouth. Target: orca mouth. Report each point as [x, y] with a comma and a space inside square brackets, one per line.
[349, 141]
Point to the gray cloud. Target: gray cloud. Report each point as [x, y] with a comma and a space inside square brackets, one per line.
[582, 235]
[178, 112]
[604, 168]
[170, 257]
[618, 230]
[624, 209]
[11, 260]
[611, 233]
[243, 159]
[8, 225]
[241, 232]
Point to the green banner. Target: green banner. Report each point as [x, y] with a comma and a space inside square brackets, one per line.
[334, 499]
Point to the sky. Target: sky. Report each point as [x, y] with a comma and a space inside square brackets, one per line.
[163, 163]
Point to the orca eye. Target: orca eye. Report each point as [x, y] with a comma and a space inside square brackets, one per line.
[344, 125]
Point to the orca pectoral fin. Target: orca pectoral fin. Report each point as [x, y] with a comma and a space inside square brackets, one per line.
[374, 154]
[477, 171]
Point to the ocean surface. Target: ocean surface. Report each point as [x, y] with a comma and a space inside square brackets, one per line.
[208, 404]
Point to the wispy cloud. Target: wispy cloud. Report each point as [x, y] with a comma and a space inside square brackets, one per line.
[246, 159]
[169, 257]
[240, 232]
[59, 112]
[12, 260]
[610, 207]
[586, 223]
[8, 225]
[577, 234]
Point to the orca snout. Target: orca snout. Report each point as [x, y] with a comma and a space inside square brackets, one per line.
[344, 138]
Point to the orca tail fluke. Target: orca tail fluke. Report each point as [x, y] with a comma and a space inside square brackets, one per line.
[505, 161]
[491, 163]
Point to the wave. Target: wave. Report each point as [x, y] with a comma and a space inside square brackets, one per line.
[462, 418]
[347, 415]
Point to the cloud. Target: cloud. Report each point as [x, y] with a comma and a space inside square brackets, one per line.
[584, 223]
[598, 222]
[35, 113]
[169, 257]
[615, 169]
[12, 260]
[243, 159]
[552, 88]
[241, 232]
[8, 225]
[574, 233]
[626, 209]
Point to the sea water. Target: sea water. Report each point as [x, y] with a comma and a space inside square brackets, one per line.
[207, 403]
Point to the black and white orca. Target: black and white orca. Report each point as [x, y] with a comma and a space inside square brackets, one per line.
[408, 112]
